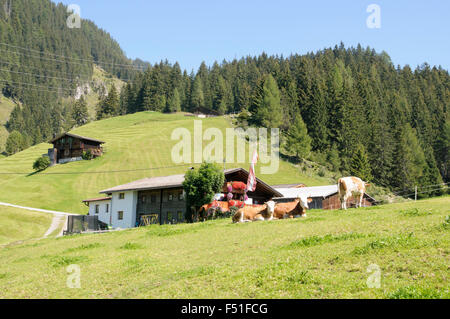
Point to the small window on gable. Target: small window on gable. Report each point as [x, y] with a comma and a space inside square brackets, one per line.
[96, 209]
[120, 215]
[107, 208]
[121, 195]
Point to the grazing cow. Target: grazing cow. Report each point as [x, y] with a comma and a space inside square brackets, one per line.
[293, 209]
[351, 186]
[254, 213]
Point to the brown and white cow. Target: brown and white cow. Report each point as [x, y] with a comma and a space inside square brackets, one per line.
[351, 186]
[293, 209]
[254, 213]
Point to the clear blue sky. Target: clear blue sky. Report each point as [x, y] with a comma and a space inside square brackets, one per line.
[412, 31]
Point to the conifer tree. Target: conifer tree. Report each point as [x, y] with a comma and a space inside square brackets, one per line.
[197, 97]
[360, 165]
[80, 113]
[109, 106]
[269, 112]
[298, 141]
[173, 103]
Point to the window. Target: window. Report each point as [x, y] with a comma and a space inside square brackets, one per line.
[170, 218]
[170, 196]
[96, 209]
[122, 196]
[180, 196]
[180, 216]
[120, 215]
[143, 199]
[107, 208]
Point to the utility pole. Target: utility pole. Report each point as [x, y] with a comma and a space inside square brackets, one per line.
[415, 193]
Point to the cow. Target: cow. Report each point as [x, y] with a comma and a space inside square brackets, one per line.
[293, 209]
[351, 186]
[254, 213]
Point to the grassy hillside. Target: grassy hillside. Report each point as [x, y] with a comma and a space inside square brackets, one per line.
[6, 107]
[323, 256]
[137, 141]
[19, 224]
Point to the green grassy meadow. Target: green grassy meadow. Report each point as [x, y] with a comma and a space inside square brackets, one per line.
[6, 107]
[326, 255]
[136, 141]
[20, 225]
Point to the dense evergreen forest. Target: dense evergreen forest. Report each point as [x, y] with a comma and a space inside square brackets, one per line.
[350, 109]
[42, 60]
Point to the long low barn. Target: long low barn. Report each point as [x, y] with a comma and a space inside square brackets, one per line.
[324, 197]
[160, 200]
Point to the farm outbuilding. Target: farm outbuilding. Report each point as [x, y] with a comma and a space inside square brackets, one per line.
[324, 197]
[70, 147]
[161, 200]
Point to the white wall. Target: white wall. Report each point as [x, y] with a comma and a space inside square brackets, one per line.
[127, 206]
[103, 215]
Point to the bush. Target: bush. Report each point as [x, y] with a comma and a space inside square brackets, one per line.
[87, 156]
[41, 163]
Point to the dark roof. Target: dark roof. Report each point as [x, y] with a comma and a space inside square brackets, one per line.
[96, 199]
[174, 181]
[76, 136]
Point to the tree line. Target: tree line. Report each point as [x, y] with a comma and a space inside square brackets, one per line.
[348, 108]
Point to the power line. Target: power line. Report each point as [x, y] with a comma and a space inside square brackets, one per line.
[39, 69]
[67, 61]
[41, 76]
[71, 58]
[99, 172]
[39, 86]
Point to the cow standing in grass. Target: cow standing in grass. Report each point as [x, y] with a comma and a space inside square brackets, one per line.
[254, 213]
[293, 209]
[351, 186]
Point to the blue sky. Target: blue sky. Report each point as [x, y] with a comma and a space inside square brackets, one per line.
[412, 32]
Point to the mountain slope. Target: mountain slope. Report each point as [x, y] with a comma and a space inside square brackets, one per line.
[43, 60]
[140, 141]
[326, 255]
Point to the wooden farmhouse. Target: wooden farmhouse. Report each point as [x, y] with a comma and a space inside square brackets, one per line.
[70, 147]
[160, 200]
[324, 197]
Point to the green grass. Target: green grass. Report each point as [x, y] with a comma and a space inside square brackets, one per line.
[301, 258]
[6, 107]
[18, 224]
[136, 141]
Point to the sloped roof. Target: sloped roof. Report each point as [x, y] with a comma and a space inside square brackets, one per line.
[149, 183]
[99, 199]
[173, 181]
[315, 191]
[76, 136]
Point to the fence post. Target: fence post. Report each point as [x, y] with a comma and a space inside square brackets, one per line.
[415, 193]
